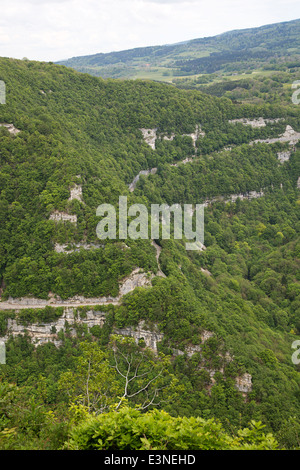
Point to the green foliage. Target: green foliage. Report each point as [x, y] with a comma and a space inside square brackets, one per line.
[145, 377]
[92, 383]
[25, 423]
[156, 430]
[243, 288]
[272, 47]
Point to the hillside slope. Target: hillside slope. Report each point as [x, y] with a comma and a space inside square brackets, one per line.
[233, 51]
[226, 315]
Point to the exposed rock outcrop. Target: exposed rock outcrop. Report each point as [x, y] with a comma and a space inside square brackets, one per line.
[40, 333]
[149, 136]
[166, 137]
[133, 184]
[195, 135]
[233, 198]
[47, 332]
[76, 193]
[136, 279]
[183, 162]
[128, 284]
[205, 271]
[158, 250]
[151, 338]
[244, 383]
[71, 319]
[63, 217]
[193, 349]
[258, 122]
[283, 156]
[290, 136]
[75, 248]
[11, 128]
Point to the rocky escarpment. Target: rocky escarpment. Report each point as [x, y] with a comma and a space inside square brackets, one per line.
[140, 332]
[151, 135]
[41, 333]
[71, 319]
[258, 122]
[234, 197]
[290, 136]
[195, 135]
[137, 278]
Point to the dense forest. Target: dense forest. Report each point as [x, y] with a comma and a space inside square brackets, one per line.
[221, 314]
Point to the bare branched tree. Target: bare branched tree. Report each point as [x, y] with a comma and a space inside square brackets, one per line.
[145, 376]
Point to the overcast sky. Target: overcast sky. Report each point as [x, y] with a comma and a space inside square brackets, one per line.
[51, 30]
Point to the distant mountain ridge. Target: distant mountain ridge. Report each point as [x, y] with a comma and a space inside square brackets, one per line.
[237, 49]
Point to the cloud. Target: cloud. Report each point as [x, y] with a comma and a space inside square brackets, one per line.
[42, 2]
[171, 1]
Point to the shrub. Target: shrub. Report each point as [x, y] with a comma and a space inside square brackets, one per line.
[129, 429]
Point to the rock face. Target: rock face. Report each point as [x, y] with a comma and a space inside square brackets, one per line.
[151, 338]
[135, 279]
[193, 349]
[290, 136]
[206, 271]
[172, 136]
[63, 217]
[136, 179]
[76, 193]
[149, 136]
[76, 247]
[158, 250]
[183, 162]
[244, 383]
[42, 332]
[128, 284]
[259, 122]
[283, 156]
[195, 135]
[11, 128]
[233, 198]
[47, 332]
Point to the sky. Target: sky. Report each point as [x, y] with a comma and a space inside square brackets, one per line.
[53, 30]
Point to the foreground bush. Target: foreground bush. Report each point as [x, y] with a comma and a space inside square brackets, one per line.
[129, 429]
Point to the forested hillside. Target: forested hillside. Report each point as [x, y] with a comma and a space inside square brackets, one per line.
[270, 47]
[214, 328]
[255, 65]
